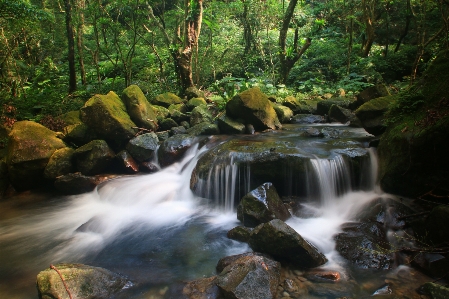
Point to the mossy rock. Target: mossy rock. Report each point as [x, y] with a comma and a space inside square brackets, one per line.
[94, 157]
[178, 107]
[79, 134]
[229, 125]
[372, 114]
[107, 116]
[195, 102]
[199, 115]
[284, 113]
[161, 112]
[139, 109]
[71, 117]
[193, 92]
[60, 163]
[370, 93]
[204, 129]
[30, 146]
[167, 124]
[178, 116]
[324, 105]
[166, 99]
[239, 233]
[83, 281]
[253, 107]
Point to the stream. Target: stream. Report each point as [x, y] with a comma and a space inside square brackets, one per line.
[156, 231]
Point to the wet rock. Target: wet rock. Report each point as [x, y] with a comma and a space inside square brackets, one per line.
[148, 167]
[228, 260]
[94, 157]
[60, 163]
[139, 109]
[30, 147]
[162, 136]
[261, 205]
[166, 99]
[195, 102]
[284, 113]
[253, 107]
[199, 115]
[204, 129]
[239, 233]
[107, 116]
[178, 130]
[434, 264]
[78, 134]
[435, 291]
[143, 147]
[167, 124]
[344, 116]
[250, 277]
[319, 275]
[204, 288]
[228, 125]
[371, 114]
[82, 281]
[365, 245]
[76, 183]
[312, 132]
[283, 243]
[385, 290]
[324, 106]
[308, 119]
[125, 163]
[174, 148]
[332, 290]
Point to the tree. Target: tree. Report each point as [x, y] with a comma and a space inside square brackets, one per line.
[70, 45]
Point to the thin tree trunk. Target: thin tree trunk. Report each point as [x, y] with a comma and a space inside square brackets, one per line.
[71, 46]
[79, 40]
[408, 18]
[351, 32]
[369, 26]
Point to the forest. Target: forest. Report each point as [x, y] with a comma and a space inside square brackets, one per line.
[54, 55]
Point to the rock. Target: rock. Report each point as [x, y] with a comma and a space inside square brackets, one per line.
[94, 157]
[174, 148]
[319, 275]
[143, 147]
[60, 163]
[434, 224]
[228, 125]
[166, 99]
[161, 112]
[308, 119]
[125, 163]
[107, 116]
[254, 108]
[370, 93]
[167, 124]
[203, 288]
[284, 113]
[30, 147]
[79, 134]
[139, 109]
[250, 277]
[162, 136]
[283, 243]
[82, 281]
[185, 124]
[365, 245]
[300, 106]
[199, 115]
[239, 233]
[204, 129]
[261, 205]
[178, 116]
[193, 92]
[76, 183]
[324, 106]
[312, 132]
[433, 264]
[4, 180]
[249, 129]
[178, 107]
[148, 167]
[71, 117]
[342, 115]
[435, 291]
[178, 130]
[228, 260]
[371, 114]
[195, 102]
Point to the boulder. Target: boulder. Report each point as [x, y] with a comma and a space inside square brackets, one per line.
[342, 115]
[312, 132]
[193, 92]
[167, 123]
[284, 113]
[148, 167]
[143, 147]
[371, 114]
[204, 129]
[203, 288]
[163, 135]
[82, 281]
[435, 290]
[261, 205]
[239, 233]
[370, 93]
[76, 183]
[71, 117]
[308, 119]
[195, 102]
[229, 260]
[300, 106]
[254, 108]
[250, 277]
[185, 124]
[60, 163]
[107, 116]
[178, 130]
[365, 245]
[178, 116]
[199, 115]
[174, 148]
[161, 112]
[125, 163]
[166, 99]
[228, 125]
[30, 147]
[178, 107]
[139, 109]
[324, 106]
[79, 134]
[284, 244]
[435, 224]
[94, 157]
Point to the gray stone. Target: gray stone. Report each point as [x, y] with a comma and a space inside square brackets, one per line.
[143, 147]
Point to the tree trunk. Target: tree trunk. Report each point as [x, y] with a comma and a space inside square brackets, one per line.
[71, 46]
[79, 40]
[368, 16]
[408, 18]
[247, 32]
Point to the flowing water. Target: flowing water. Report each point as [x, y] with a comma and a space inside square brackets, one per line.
[156, 231]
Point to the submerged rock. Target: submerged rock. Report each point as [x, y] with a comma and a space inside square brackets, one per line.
[203, 288]
[261, 205]
[308, 119]
[82, 281]
[283, 243]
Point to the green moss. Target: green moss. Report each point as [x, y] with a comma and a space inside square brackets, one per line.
[167, 99]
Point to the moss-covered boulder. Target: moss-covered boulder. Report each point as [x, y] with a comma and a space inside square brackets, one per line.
[179, 117]
[324, 105]
[60, 163]
[344, 116]
[79, 134]
[300, 106]
[143, 147]
[204, 128]
[435, 290]
[195, 102]
[82, 281]
[193, 92]
[284, 244]
[239, 233]
[167, 124]
[371, 114]
[166, 99]
[253, 107]
[94, 157]
[229, 125]
[71, 117]
[139, 109]
[199, 115]
[370, 93]
[30, 147]
[261, 205]
[161, 112]
[434, 229]
[107, 116]
[284, 113]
